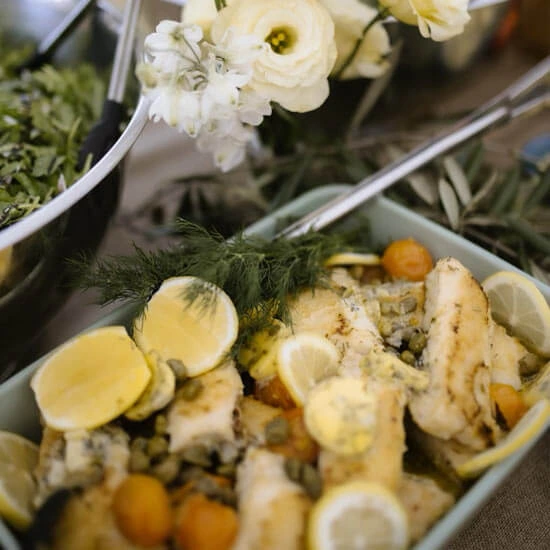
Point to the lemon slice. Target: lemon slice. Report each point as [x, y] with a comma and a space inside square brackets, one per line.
[352, 258]
[90, 380]
[18, 459]
[303, 360]
[158, 393]
[340, 414]
[358, 516]
[198, 333]
[517, 304]
[539, 387]
[528, 427]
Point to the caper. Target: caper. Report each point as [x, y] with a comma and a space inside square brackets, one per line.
[385, 327]
[408, 357]
[160, 424]
[311, 481]
[180, 372]
[226, 470]
[167, 470]
[408, 304]
[191, 389]
[139, 461]
[277, 431]
[157, 446]
[417, 342]
[529, 364]
[293, 469]
[198, 455]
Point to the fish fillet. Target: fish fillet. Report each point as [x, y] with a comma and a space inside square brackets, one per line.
[457, 357]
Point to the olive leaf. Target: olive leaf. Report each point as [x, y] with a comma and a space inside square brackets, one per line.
[420, 183]
[449, 202]
[458, 179]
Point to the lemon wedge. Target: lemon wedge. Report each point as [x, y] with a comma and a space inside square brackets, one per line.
[340, 414]
[538, 388]
[158, 393]
[528, 427]
[517, 304]
[198, 333]
[352, 258]
[90, 380]
[358, 516]
[18, 459]
[303, 360]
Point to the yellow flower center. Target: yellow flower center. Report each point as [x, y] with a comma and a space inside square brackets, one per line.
[281, 40]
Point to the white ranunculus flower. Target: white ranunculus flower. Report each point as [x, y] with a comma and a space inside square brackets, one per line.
[436, 19]
[350, 19]
[199, 12]
[294, 70]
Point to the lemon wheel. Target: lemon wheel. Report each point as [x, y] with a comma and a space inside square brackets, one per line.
[90, 380]
[198, 332]
[303, 361]
[517, 304]
[358, 516]
[18, 459]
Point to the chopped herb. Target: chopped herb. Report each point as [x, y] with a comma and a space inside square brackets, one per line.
[44, 117]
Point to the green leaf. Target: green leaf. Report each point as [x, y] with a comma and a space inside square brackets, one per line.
[458, 179]
[449, 202]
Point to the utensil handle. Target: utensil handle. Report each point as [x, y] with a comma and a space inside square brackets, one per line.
[124, 50]
[494, 111]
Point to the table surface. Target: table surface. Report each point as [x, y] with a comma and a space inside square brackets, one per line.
[517, 516]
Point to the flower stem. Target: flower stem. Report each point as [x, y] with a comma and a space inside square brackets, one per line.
[378, 17]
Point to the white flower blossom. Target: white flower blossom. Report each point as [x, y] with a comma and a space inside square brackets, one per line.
[200, 12]
[202, 88]
[350, 19]
[294, 69]
[436, 19]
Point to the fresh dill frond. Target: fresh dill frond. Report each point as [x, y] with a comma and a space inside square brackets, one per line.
[258, 274]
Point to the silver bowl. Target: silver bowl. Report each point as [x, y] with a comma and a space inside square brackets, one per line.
[74, 222]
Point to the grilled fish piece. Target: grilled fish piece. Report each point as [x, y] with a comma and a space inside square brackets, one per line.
[506, 355]
[210, 416]
[81, 458]
[424, 501]
[254, 416]
[272, 509]
[339, 313]
[382, 462]
[457, 357]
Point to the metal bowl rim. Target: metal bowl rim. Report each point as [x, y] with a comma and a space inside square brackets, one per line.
[38, 219]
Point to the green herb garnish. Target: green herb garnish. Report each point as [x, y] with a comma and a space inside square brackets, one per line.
[259, 275]
[44, 117]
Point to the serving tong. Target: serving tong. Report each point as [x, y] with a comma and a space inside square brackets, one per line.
[513, 102]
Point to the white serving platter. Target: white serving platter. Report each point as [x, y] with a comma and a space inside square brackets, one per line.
[388, 221]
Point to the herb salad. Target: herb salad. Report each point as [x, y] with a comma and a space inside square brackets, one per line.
[44, 117]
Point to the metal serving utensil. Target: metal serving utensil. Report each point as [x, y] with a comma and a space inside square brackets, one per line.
[505, 106]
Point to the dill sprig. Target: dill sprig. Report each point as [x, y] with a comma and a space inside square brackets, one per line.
[258, 274]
